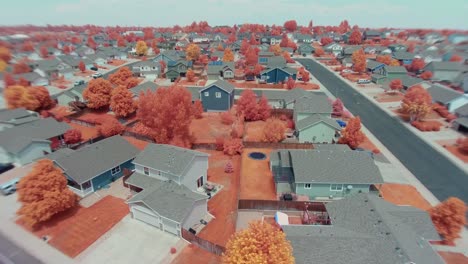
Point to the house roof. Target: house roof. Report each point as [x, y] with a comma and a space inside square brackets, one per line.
[444, 66]
[141, 181]
[10, 114]
[462, 110]
[266, 54]
[462, 121]
[144, 87]
[166, 158]
[217, 66]
[195, 91]
[92, 160]
[372, 33]
[226, 86]
[276, 62]
[58, 154]
[29, 76]
[350, 49]
[367, 229]
[315, 119]
[372, 64]
[395, 69]
[168, 199]
[334, 147]
[443, 94]
[408, 81]
[403, 55]
[312, 103]
[15, 139]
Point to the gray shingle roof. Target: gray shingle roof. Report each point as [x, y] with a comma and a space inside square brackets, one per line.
[335, 147]
[315, 119]
[10, 114]
[442, 94]
[195, 91]
[444, 66]
[462, 121]
[403, 55]
[276, 62]
[216, 68]
[168, 199]
[313, 104]
[141, 181]
[143, 87]
[226, 86]
[462, 111]
[58, 154]
[88, 162]
[366, 229]
[320, 166]
[408, 81]
[166, 158]
[17, 138]
[372, 64]
[395, 69]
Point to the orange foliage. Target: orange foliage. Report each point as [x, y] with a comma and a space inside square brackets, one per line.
[290, 83]
[276, 49]
[98, 93]
[3, 66]
[427, 75]
[352, 134]
[325, 41]
[192, 52]
[121, 102]
[233, 146]
[5, 54]
[251, 56]
[42, 95]
[252, 110]
[456, 58]
[417, 64]
[141, 48]
[359, 60]
[228, 55]
[290, 25]
[27, 46]
[197, 109]
[462, 145]
[43, 193]
[260, 243]
[396, 85]
[427, 125]
[132, 82]
[110, 127]
[82, 66]
[387, 60]
[449, 218]
[168, 112]
[274, 130]
[21, 67]
[319, 52]
[355, 38]
[31, 98]
[121, 76]
[44, 52]
[190, 75]
[417, 103]
[72, 136]
[227, 118]
[287, 57]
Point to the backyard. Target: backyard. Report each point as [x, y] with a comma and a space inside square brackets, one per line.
[86, 132]
[76, 229]
[208, 128]
[195, 255]
[223, 206]
[256, 180]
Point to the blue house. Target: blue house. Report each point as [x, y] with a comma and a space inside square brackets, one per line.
[404, 57]
[278, 75]
[217, 97]
[95, 166]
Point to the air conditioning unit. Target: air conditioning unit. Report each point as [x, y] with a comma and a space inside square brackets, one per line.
[330, 197]
[349, 187]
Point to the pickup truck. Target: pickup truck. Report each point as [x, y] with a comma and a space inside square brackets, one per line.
[97, 75]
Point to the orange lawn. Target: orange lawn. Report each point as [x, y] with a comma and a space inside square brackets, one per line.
[117, 62]
[452, 148]
[367, 145]
[139, 144]
[95, 116]
[307, 86]
[223, 206]
[403, 194]
[389, 97]
[254, 131]
[86, 132]
[453, 258]
[256, 180]
[208, 128]
[432, 115]
[84, 74]
[195, 255]
[76, 229]
[60, 111]
[60, 83]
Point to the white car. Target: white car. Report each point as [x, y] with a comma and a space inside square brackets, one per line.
[97, 75]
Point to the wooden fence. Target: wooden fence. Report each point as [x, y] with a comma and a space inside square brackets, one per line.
[279, 145]
[281, 205]
[205, 244]
[209, 146]
[87, 142]
[82, 122]
[138, 136]
[277, 112]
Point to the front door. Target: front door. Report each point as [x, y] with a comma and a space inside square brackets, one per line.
[200, 182]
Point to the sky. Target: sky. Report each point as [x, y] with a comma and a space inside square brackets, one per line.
[436, 14]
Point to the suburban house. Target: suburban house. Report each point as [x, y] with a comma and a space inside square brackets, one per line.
[169, 182]
[389, 73]
[310, 104]
[429, 56]
[33, 78]
[25, 143]
[275, 40]
[447, 97]
[70, 95]
[148, 69]
[172, 75]
[277, 74]
[180, 66]
[264, 56]
[217, 96]
[462, 81]
[281, 98]
[95, 166]
[305, 49]
[324, 174]
[397, 47]
[302, 38]
[444, 70]
[220, 70]
[167, 56]
[16, 117]
[98, 59]
[461, 123]
[374, 66]
[333, 48]
[83, 51]
[317, 129]
[366, 229]
[405, 58]
[372, 35]
[143, 87]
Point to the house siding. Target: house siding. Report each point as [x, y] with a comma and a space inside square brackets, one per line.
[197, 169]
[318, 133]
[300, 116]
[32, 152]
[160, 175]
[107, 177]
[5, 156]
[458, 102]
[323, 190]
[277, 76]
[199, 210]
[211, 103]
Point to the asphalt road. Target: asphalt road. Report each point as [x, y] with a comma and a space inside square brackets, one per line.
[10, 253]
[434, 170]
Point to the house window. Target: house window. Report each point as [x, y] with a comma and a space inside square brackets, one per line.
[146, 170]
[307, 186]
[218, 95]
[207, 93]
[200, 182]
[336, 187]
[115, 170]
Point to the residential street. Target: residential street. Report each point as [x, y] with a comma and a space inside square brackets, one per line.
[433, 169]
[10, 253]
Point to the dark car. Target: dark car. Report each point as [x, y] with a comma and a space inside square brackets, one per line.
[80, 82]
[6, 167]
[93, 68]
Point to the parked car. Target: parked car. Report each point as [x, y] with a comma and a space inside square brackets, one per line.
[80, 82]
[97, 75]
[363, 81]
[347, 71]
[9, 187]
[94, 68]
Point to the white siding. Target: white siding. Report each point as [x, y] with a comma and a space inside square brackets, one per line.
[144, 214]
[4, 156]
[458, 102]
[170, 226]
[32, 152]
[199, 210]
[197, 169]
[154, 173]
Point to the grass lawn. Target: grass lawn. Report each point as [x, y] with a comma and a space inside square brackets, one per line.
[453, 258]
[367, 145]
[389, 97]
[254, 131]
[139, 144]
[208, 128]
[452, 148]
[403, 194]
[76, 229]
[195, 255]
[256, 178]
[117, 62]
[223, 206]
[86, 132]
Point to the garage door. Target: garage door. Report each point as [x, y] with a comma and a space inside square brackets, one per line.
[144, 215]
[171, 227]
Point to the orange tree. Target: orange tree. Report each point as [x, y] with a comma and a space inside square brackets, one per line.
[121, 76]
[276, 49]
[192, 52]
[352, 134]
[32, 98]
[98, 93]
[449, 218]
[190, 75]
[3, 66]
[228, 55]
[197, 109]
[121, 102]
[274, 130]
[141, 48]
[359, 60]
[417, 103]
[261, 243]
[43, 193]
[252, 110]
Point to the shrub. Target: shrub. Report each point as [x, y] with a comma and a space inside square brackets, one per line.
[376, 151]
[233, 146]
[237, 130]
[219, 143]
[290, 124]
[173, 250]
[427, 125]
[227, 118]
[110, 128]
[274, 130]
[228, 168]
[283, 117]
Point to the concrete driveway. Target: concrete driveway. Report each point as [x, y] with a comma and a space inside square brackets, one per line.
[130, 241]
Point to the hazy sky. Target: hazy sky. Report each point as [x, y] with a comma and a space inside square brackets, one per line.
[365, 13]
